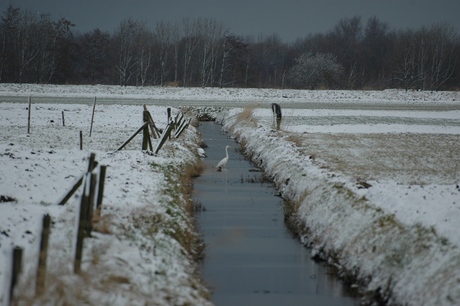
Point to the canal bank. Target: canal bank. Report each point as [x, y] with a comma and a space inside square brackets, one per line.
[390, 261]
[251, 257]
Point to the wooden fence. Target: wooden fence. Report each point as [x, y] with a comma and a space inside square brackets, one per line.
[93, 183]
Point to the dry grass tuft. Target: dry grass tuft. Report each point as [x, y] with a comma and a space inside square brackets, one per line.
[296, 139]
[101, 224]
[247, 114]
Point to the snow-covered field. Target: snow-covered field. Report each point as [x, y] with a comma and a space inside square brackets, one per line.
[133, 258]
[377, 192]
[399, 234]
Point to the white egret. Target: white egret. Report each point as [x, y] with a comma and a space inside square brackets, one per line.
[224, 160]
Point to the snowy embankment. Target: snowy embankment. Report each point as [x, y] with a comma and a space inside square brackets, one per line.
[141, 250]
[388, 220]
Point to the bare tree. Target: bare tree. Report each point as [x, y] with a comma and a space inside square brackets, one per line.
[210, 33]
[406, 72]
[234, 50]
[8, 27]
[442, 54]
[95, 49]
[164, 37]
[26, 43]
[125, 46]
[345, 41]
[376, 47]
[311, 71]
[191, 36]
[143, 43]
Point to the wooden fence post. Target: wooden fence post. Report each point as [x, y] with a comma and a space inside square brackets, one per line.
[15, 270]
[81, 140]
[63, 119]
[153, 129]
[145, 132]
[90, 208]
[100, 192]
[166, 134]
[92, 161]
[92, 117]
[81, 225]
[41, 269]
[28, 117]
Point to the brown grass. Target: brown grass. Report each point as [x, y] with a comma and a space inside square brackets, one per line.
[101, 224]
[247, 114]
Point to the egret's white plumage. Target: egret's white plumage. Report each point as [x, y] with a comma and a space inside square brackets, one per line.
[224, 160]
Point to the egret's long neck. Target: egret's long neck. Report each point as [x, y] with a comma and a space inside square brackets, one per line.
[226, 151]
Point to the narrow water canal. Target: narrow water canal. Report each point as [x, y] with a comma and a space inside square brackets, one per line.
[251, 258]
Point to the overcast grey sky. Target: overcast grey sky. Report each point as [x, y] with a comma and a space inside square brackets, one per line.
[290, 19]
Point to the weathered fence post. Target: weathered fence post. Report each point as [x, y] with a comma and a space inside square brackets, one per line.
[92, 117]
[166, 134]
[41, 269]
[81, 140]
[15, 270]
[91, 162]
[90, 208]
[91, 166]
[184, 125]
[100, 192]
[153, 129]
[63, 119]
[28, 117]
[146, 136]
[81, 225]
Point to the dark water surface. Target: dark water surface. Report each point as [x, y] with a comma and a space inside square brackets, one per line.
[251, 258]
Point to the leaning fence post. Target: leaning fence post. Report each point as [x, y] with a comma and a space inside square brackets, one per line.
[92, 161]
[100, 192]
[81, 225]
[92, 117]
[28, 117]
[166, 134]
[41, 270]
[90, 207]
[15, 270]
[146, 136]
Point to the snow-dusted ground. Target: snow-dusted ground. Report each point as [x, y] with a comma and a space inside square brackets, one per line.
[133, 258]
[400, 234]
[380, 200]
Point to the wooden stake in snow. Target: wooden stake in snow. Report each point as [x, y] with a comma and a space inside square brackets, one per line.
[92, 164]
[28, 117]
[166, 134]
[146, 135]
[90, 208]
[92, 117]
[63, 120]
[15, 270]
[81, 140]
[82, 224]
[100, 191]
[41, 269]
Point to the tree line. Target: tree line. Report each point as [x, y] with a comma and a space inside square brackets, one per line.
[354, 54]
